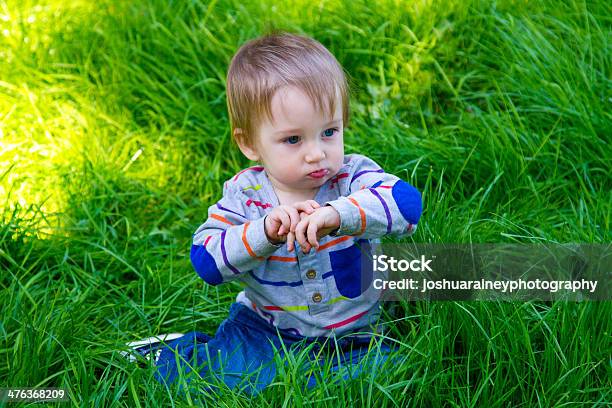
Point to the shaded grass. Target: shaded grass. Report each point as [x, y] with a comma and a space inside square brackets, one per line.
[497, 111]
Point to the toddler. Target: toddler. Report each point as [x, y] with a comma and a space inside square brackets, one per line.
[292, 229]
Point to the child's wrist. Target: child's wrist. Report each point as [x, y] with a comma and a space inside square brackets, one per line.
[336, 216]
[336, 221]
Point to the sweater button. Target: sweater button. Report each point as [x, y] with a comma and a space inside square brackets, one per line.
[317, 297]
[311, 274]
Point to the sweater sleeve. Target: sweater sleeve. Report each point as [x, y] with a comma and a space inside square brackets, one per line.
[377, 203]
[232, 241]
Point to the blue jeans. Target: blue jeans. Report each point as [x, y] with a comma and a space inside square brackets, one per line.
[241, 354]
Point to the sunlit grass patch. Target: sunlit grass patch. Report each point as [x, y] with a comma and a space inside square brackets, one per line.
[41, 139]
[30, 30]
[59, 123]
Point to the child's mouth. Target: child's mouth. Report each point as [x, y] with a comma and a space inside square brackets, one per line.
[318, 174]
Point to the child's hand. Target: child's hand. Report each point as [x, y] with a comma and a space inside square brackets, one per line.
[280, 222]
[305, 208]
[316, 225]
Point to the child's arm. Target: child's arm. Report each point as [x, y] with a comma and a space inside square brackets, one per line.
[232, 241]
[376, 204]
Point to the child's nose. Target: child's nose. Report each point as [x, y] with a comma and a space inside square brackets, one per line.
[315, 154]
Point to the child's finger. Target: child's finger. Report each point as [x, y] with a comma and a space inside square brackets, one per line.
[313, 204]
[300, 234]
[290, 241]
[312, 234]
[285, 223]
[304, 207]
[294, 217]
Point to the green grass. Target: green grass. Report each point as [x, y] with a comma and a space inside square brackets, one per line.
[499, 112]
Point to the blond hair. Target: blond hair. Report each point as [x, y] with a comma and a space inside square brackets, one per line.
[263, 65]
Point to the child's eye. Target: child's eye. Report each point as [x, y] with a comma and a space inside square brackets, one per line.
[330, 132]
[292, 139]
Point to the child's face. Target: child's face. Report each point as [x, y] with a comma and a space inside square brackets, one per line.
[302, 148]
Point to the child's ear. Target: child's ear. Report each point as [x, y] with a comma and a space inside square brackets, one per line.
[245, 147]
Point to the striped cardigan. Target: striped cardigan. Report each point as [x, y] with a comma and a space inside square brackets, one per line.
[328, 290]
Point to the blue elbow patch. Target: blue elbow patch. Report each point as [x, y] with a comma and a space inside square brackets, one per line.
[408, 201]
[204, 264]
